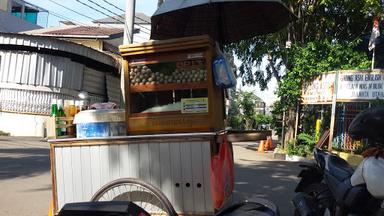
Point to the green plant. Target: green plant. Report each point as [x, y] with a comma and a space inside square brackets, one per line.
[4, 133]
[303, 146]
[263, 121]
[242, 111]
[307, 140]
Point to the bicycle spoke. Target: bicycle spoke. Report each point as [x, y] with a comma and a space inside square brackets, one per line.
[145, 197]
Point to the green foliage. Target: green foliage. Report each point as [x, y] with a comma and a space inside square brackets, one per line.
[318, 22]
[299, 150]
[262, 121]
[378, 102]
[242, 111]
[307, 139]
[303, 146]
[277, 115]
[4, 133]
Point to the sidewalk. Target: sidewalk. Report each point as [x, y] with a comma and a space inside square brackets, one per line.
[258, 174]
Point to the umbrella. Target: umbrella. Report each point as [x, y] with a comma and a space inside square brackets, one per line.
[226, 21]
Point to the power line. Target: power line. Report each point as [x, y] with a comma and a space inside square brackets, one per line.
[118, 15]
[124, 11]
[142, 20]
[100, 6]
[65, 18]
[114, 6]
[95, 9]
[88, 17]
[71, 9]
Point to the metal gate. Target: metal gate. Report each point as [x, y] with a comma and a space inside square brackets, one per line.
[345, 112]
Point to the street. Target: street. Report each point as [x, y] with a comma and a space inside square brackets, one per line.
[25, 179]
[258, 174]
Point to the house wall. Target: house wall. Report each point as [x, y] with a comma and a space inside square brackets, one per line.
[10, 23]
[92, 43]
[23, 124]
[4, 5]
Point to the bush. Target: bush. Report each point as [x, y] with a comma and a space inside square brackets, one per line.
[303, 146]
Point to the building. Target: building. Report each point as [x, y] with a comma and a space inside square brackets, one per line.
[36, 69]
[104, 34]
[18, 15]
[142, 25]
[101, 38]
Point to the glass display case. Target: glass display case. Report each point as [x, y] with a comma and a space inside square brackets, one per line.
[169, 87]
[164, 87]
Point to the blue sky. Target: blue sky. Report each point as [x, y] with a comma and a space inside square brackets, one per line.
[146, 6]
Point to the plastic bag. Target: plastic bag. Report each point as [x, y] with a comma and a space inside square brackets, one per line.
[222, 174]
[224, 76]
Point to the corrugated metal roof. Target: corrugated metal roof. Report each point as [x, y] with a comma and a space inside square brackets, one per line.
[40, 70]
[55, 44]
[113, 89]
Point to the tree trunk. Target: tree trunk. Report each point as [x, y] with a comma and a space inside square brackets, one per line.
[290, 125]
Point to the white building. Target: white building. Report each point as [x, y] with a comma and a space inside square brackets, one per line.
[35, 69]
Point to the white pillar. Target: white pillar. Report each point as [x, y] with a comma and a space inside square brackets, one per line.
[129, 21]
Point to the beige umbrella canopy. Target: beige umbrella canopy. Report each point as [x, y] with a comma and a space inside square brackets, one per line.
[226, 21]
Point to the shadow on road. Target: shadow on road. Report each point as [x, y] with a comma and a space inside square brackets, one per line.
[273, 180]
[23, 162]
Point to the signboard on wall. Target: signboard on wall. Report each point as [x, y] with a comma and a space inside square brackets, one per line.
[351, 85]
[320, 90]
[194, 105]
[360, 85]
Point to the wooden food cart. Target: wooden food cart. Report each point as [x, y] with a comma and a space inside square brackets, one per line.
[174, 113]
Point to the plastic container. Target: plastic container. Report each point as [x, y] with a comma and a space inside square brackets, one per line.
[100, 123]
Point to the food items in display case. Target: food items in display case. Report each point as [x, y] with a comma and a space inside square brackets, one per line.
[188, 71]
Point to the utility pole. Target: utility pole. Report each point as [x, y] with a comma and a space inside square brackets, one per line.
[129, 21]
[128, 39]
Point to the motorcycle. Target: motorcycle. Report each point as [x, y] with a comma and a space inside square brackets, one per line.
[330, 186]
[235, 206]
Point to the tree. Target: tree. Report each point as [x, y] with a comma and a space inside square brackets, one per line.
[316, 20]
[321, 31]
[242, 112]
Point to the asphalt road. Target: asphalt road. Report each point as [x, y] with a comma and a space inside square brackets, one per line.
[258, 174]
[25, 179]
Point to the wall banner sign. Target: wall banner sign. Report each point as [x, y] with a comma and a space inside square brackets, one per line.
[360, 86]
[351, 85]
[320, 90]
[194, 105]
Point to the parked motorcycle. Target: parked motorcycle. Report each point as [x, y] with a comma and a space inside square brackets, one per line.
[235, 206]
[332, 187]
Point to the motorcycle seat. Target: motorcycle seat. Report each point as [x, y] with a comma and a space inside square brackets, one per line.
[338, 168]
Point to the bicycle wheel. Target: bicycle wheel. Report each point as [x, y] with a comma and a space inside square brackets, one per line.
[139, 192]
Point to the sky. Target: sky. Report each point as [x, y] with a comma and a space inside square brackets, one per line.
[145, 6]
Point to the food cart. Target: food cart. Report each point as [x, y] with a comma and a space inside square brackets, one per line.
[175, 139]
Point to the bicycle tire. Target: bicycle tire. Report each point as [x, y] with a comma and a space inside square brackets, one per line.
[163, 200]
